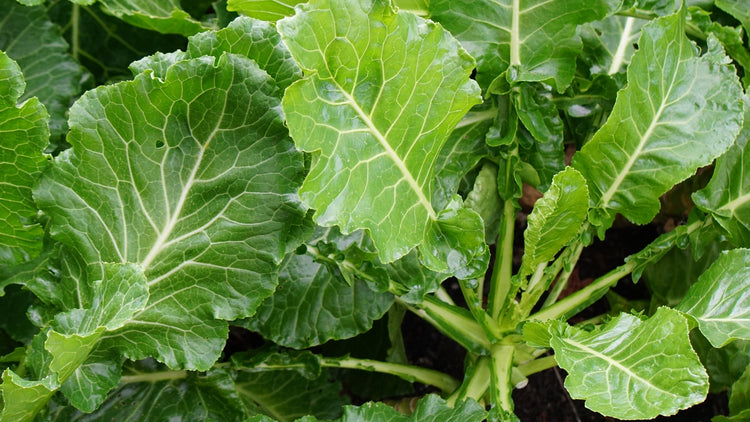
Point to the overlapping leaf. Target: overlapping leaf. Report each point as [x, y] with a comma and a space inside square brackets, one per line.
[267, 10]
[520, 40]
[23, 137]
[726, 198]
[677, 113]
[382, 94]
[430, 408]
[609, 43]
[165, 16]
[720, 300]
[193, 178]
[630, 368]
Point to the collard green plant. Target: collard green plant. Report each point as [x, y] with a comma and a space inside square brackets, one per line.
[224, 210]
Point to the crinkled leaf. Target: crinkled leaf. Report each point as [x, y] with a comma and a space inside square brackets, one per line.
[720, 300]
[520, 40]
[287, 395]
[23, 137]
[630, 368]
[411, 280]
[677, 113]
[22, 399]
[538, 114]
[165, 16]
[461, 153]
[485, 201]
[724, 365]
[726, 198]
[51, 74]
[556, 219]
[314, 303]
[267, 10]
[104, 44]
[731, 38]
[375, 129]
[194, 179]
[150, 392]
[88, 386]
[608, 44]
[429, 408]
[540, 160]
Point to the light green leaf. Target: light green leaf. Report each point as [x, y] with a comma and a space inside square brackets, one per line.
[267, 10]
[631, 368]
[193, 178]
[287, 395]
[88, 386]
[726, 198]
[51, 74]
[608, 44]
[375, 130]
[738, 9]
[165, 16]
[485, 201]
[150, 392]
[23, 137]
[315, 302]
[520, 40]
[556, 219]
[430, 408]
[22, 399]
[720, 300]
[677, 113]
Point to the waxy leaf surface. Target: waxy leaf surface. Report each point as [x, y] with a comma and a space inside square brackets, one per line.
[630, 368]
[23, 137]
[520, 40]
[678, 113]
[382, 93]
[193, 178]
[720, 300]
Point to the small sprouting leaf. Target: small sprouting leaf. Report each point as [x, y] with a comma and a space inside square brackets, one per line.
[726, 198]
[720, 300]
[556, 219]
[193, 178]
[530, 40]
[677, 113]
[631, 368]
[375, 130]
[24, 137]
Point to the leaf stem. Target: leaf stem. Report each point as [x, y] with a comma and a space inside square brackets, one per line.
[476, 117]
[567, 263]
[501, 281]
[501, 368]
[538, 365]
[153, 377]
[476, 383]
[490, 326]
[75, 34]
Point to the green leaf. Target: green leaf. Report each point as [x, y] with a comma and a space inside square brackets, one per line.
[630, 368]
[267, 10]
[88, 386]
[193, 178]
[430, 408]
[344, 113]
[24, 137]
[316, 303]
[287, 395]
[724, 365]
[51, 74]
[677, 113]
[485, 201]
[731, 38]
[739, 397]
[148, 391]
[738, 9]
[720, 300]
[556, 219]
[519, 40]
[22, 399]
[726, 198]
[165, 16]
[608, 44]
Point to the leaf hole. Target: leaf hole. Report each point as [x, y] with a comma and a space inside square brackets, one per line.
[159, 144]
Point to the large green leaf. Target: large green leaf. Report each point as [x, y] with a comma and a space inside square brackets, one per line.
[720, 300]
[165, 16]
[382, 93]
[22, 399]
[321, 296]
[726, 198]
[429, 408]
[677, 113]
[23, 137]
[556, 219]
[609, 44]
[51, 74]
[738, 9]
[193, 178]
[520, 40]
[630, 368]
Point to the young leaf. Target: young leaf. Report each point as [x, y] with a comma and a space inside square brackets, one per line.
[677, 113]
[556, 219]
[382, 93]
[630, 368]
[726, 198]
[24, 137]
[720, 300]
[194, 179]
[51, 74]
[520, 40]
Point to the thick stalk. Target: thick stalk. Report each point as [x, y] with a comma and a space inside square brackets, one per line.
[490, 326]
[501, 368]
[538, 365]
[476, 383]
[410, 373]
[501, 284]
[534, 291]
[564, 276]
[154, 377]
